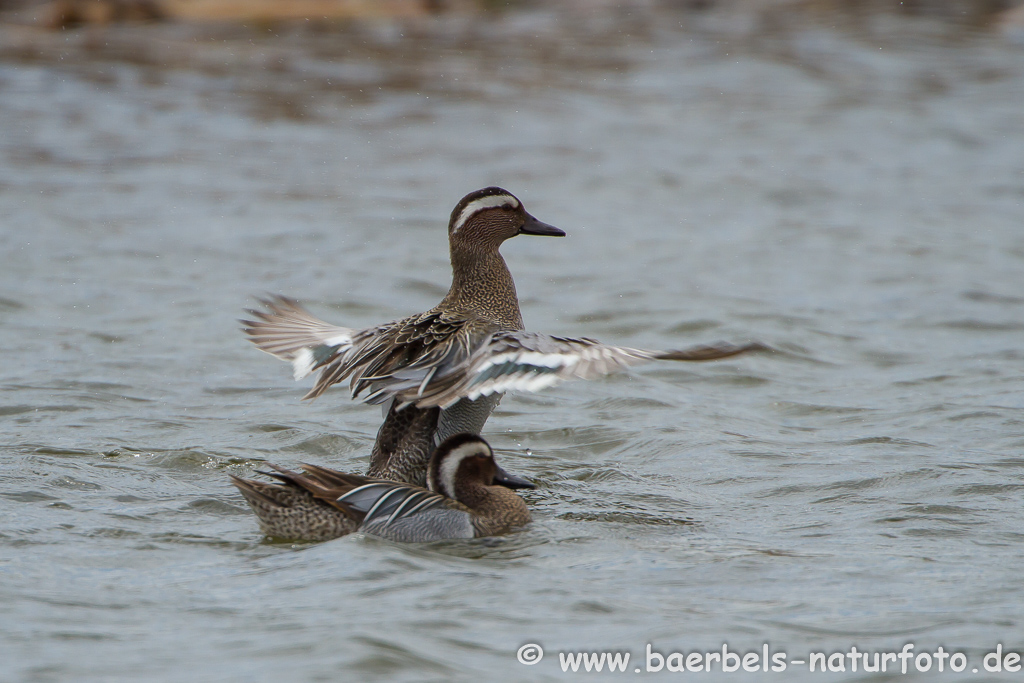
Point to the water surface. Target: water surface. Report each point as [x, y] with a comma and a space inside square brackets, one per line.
[852, 196]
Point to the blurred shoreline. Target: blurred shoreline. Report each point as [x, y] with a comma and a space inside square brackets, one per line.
[71, 14]
[222, 36]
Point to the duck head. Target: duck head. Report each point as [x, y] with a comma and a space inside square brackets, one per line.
[466, 461]
[484, 219]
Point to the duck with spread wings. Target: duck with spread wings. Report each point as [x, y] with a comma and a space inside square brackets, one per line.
[442, 372]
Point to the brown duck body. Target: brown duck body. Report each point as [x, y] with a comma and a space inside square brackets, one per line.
[482, 301]
[292, 512]
[468, 497]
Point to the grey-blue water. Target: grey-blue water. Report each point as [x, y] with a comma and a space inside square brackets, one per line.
[851, 196]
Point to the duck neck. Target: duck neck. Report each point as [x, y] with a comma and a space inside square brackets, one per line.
[498, 510]
[482, 284]
[473, 495]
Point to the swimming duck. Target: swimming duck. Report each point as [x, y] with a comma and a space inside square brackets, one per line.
[468, 496]
[443, 371]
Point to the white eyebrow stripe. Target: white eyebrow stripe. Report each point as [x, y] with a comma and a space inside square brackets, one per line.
[450, 465]
[482, 203]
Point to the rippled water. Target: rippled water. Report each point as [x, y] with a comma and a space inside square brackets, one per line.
[853, 199]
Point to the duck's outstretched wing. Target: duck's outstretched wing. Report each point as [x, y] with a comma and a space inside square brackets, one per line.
[437, 358]
[290, 332]
[382, 360]
[531, 362]
[378, 360]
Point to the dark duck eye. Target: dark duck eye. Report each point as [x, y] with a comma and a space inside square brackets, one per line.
[506, 207]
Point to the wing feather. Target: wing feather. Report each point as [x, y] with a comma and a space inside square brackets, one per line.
[438, 358]
[388, 502]
[530, 362]
[290, 332]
